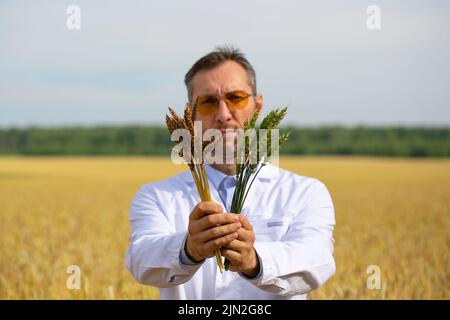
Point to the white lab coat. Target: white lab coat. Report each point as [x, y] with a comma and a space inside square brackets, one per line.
[293, 220]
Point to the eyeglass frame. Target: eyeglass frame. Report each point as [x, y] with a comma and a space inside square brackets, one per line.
[222, 97]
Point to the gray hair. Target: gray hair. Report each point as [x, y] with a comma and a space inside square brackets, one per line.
[215, 59]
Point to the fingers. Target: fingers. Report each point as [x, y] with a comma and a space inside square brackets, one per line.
[246, 233]
[246, 236]
[213, 220]
[210, 229]
[235, 257]
[217, 232]
[245, 223]
[205, 208]
[242, 258]
[240, 251]
[236, 245]
[214, 244]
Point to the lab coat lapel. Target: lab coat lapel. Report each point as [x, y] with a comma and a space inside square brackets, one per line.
[262, 181]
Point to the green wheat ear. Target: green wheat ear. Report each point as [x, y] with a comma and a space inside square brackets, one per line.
[246, 172]
[273, 119]
[250, 123]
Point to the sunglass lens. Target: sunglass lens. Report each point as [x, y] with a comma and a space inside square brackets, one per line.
[206, 105]
[237, 99]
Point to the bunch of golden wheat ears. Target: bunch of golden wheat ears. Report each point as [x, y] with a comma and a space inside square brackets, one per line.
[244, 170]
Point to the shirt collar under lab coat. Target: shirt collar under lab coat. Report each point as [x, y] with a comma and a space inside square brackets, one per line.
[267, 173]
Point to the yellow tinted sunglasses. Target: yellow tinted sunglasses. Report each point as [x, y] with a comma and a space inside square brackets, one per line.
[208, 104]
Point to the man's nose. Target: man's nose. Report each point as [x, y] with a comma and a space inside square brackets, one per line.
[223, 113]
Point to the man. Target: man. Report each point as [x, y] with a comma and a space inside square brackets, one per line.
[280, 247]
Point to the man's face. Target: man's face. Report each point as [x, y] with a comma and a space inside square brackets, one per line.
[227, 77]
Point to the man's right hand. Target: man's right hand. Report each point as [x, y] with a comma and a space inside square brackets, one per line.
[209, 229]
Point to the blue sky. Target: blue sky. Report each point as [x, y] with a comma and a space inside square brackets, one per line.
[127, 63]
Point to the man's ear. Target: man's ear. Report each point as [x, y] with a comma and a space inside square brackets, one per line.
[259, 102]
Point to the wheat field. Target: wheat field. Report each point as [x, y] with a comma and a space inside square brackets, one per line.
[58, 212]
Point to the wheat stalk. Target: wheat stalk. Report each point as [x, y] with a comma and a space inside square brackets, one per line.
[245, 169]
[196, 166]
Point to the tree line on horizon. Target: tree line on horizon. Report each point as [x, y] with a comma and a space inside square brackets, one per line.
[155, 140]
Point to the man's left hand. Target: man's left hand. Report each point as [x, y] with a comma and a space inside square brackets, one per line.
[240, 251]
